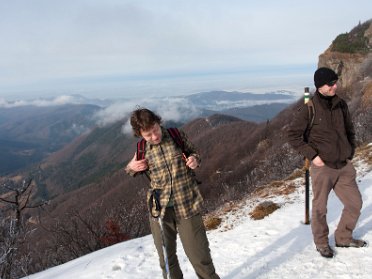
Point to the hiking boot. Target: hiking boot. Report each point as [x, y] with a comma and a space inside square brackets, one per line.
[325, 251]
[355, 243]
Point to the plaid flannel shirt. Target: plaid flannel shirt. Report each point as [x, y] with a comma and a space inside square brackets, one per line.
[168, 172]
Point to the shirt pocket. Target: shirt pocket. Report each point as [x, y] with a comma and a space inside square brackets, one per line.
[159, 174]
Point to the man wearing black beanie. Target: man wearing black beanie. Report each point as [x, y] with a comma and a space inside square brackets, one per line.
[329, 145]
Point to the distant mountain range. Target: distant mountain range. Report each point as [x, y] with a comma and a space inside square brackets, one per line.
[223, 100]
[31, 130]
[30, 133]
[256, 113]
[212, 100]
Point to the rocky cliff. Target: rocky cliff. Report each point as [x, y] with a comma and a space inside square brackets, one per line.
[350, 56]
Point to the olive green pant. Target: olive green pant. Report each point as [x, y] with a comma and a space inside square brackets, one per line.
[342, 182]
[194, 241]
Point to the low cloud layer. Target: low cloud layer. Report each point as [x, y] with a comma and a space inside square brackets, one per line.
[169, 109]
[57, 101]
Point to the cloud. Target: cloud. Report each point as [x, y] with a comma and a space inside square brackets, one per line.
[169, 109]
[57, 101]
[176, 109]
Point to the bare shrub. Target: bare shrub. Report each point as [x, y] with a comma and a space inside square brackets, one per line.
[263, 209]
[211, 222]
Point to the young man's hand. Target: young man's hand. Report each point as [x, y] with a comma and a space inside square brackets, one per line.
[137, 165]
[192, 162]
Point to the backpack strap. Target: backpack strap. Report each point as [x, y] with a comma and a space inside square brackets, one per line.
[176, 136]
[311, 111]
[311, 107]
[141, 149]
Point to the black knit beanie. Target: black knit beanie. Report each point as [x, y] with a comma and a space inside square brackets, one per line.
[323, 76]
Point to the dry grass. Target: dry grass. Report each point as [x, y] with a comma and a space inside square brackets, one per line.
[263, 209]
[275, 188]
[230, 206]
[296, 174]
[264, 144]
[365, 153]
[211, 222]
[287, 189]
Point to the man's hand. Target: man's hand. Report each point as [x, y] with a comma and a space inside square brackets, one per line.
[192, 162]
[317, 161]
[137, 165]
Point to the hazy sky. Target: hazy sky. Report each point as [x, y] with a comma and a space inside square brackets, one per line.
[121, 48]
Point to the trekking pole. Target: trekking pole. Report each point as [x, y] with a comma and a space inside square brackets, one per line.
[155, 199]
[165, 255]
[307, 173]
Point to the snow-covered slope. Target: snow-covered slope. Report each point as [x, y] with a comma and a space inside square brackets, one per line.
[278, 246]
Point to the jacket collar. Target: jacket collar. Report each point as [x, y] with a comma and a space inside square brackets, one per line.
[329, 102]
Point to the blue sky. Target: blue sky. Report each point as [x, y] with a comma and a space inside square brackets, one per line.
[120, 48]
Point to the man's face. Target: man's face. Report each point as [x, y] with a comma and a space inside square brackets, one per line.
[152, 135]
[328, 89]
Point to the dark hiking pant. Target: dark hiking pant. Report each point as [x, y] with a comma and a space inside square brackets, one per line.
[194, 241]
[343, 182]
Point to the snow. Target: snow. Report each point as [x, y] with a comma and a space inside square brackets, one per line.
[278, 246]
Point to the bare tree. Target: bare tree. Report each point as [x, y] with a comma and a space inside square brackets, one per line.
[73, 235]
[14, 230]
[79, 232]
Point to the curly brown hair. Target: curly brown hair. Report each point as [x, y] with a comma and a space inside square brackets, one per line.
[143, 119]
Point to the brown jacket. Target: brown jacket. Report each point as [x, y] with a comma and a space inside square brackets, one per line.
[332, 135]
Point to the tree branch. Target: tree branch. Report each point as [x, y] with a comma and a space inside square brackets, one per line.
[7, 201]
